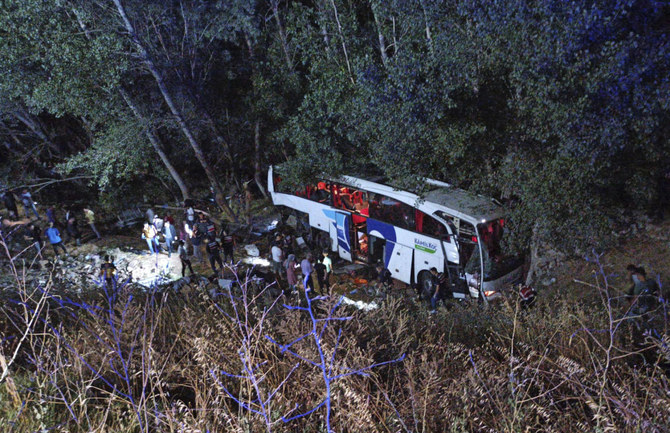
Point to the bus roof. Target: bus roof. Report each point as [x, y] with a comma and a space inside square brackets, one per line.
[481, 208]
[456, 201]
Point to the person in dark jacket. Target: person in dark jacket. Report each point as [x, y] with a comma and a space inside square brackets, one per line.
[384, 280]
[183, 256]
[214, 253]
[35, 234]
[321, 271]
[170, 234]
[440, 288]
[228, 246]
[643, 294]
[209, 226]
[10, 203]
[73, 229]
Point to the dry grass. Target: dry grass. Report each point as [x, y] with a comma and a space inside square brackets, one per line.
[159, 363]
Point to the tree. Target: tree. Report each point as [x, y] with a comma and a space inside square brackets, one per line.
[153, 139]
[482, 95]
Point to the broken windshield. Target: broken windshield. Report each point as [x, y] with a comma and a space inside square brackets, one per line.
[496, 263]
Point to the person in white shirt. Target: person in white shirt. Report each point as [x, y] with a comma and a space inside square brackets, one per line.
[328, 263]
[277, 259]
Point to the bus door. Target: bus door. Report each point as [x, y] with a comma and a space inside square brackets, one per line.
[361, 247]
[343, 233]
[399, 261]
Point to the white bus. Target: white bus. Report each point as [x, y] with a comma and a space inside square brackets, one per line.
[454, 231]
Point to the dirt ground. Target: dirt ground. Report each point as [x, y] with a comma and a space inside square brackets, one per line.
[649, 249]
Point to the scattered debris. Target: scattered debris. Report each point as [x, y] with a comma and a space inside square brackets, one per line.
[225, 284]
[129, 217]
[365, 306]
[349, 269]
[252, 250]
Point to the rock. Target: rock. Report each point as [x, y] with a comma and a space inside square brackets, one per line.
[252, 250]
[225, 284]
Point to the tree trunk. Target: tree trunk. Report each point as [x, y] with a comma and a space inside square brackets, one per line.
[167, 96]
[322, 18]
[282, 34]
[26, 118]
[226, 147]
[429, 37]
[344, 45]
[257, 158]
[380, 35]
[257, 131]
[156, 145]
[247, 203]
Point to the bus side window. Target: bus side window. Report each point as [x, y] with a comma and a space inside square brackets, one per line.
[346, 202]
[429, 226]
[321, 193]
[393, 212]
[407, 214]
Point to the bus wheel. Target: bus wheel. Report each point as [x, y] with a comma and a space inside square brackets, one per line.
[425, 285]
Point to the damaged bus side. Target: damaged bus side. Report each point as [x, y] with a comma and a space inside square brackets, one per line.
[447, 228]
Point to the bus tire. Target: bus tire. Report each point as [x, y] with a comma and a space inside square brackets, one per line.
[425, 285]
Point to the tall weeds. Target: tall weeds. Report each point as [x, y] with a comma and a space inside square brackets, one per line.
[247, 360]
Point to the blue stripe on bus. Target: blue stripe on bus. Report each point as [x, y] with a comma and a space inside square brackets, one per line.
[343, 238]
[341, 223]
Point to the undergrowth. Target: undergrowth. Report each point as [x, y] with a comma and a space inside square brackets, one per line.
[190, 362]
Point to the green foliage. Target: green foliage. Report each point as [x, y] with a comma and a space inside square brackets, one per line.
[51, 65]
[119, 155]
[560, 107]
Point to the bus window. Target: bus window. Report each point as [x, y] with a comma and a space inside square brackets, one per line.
[496, 263]
[468, 248]
[342, 198]
[427, 225]
[303, 192]
[321, 193]
[393, 212]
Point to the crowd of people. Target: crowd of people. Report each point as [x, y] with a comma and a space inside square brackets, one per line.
[195, 232]
[316, 273]
[36, 227]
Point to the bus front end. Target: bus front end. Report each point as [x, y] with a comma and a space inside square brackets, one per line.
[488, 271]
